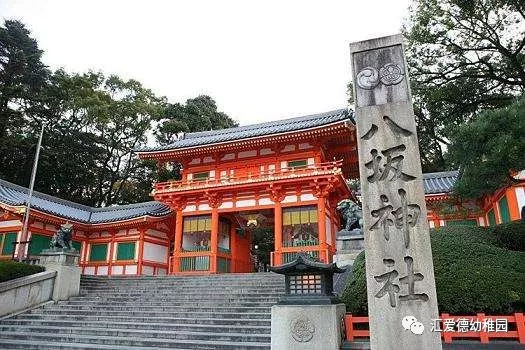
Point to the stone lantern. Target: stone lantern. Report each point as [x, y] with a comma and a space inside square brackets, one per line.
[309, 315]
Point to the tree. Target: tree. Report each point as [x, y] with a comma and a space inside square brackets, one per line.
[489, 151]
[465, 56]
[198, 114]
[23, 78]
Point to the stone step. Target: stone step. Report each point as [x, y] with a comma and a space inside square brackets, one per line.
[133, 314]
[131, 341]
[137, 333]
[165, 308]
[153, 304]
[179, 319]
[229, 328]
[11, 344]
[172, 299]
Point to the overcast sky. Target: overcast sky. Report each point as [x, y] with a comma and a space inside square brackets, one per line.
[260, 60]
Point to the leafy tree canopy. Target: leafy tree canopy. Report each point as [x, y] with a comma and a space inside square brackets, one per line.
[93, 123]
[489, 150]
[197, 114]
[465, 56]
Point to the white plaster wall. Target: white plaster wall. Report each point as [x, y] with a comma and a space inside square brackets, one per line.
[328, 226]
[155, 233]
[190, 208]
[131, 270]
[117, 270]
[481, 221]
[102, 270]
[9, 223]
[431, 223]
[265, 201]
[289, 199]
[226, 205]
[147, 270]
[307, 197]
[441, 223]
[155, 252]
[89, 270]
[245, 203]
[520, 195]
[204, 206]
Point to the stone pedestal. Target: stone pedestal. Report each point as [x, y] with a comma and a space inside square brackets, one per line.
[349, 244]
[65, 263]
[307, 327]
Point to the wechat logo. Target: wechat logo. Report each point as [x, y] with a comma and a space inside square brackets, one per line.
[411, 323]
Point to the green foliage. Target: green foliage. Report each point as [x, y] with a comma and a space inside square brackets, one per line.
[10, 270]
[509, 236]
[263, 237]
[473, 272]
[197, 114]
[464, 57]
[487, 148]
[93, 124]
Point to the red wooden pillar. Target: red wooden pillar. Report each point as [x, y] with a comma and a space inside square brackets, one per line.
[278, 233]
[179, 221]
[214, 239]
[321, 220]
[233, 248]
[111, 249]
[141, 251]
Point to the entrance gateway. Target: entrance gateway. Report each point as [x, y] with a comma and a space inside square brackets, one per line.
[286, 176]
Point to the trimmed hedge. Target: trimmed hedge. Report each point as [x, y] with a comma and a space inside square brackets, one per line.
[10, 270]
[473, 272]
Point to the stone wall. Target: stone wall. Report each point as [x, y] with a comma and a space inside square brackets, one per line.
[26, 292]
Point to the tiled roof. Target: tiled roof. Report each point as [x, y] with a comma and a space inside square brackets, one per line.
[441, 182]
[15, 195]
[255, 130]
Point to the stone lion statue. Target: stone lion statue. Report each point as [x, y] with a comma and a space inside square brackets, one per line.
[352, 214]
[62, 238]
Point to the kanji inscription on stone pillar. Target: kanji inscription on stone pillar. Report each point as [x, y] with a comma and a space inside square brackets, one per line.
[399, 268]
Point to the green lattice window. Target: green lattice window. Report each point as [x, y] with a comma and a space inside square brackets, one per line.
[491, 217]
[201, 176]
[504, 209]
[99, 252]
[39, 243]
[300, 226]
[8, 247]
[467, 222]
[297, 163]
[126, 251]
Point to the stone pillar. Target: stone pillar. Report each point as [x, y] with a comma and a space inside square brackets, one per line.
[399, 269]
[65, 263]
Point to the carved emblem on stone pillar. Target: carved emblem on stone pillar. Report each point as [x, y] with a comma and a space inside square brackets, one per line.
[391, 74]
[368, 78]
[302, 329]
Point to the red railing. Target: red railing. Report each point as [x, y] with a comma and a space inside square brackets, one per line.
[261, 176]
[516, 328]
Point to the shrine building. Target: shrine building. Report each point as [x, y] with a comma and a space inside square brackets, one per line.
[286, 175]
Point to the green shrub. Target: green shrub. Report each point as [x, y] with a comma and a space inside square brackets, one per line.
[510, 236]
[473, 274]
[10, 270]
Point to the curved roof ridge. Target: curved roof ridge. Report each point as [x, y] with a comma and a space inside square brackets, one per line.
[204, 138]
[14, 194]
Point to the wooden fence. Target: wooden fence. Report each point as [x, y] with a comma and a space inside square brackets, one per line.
[357, 327]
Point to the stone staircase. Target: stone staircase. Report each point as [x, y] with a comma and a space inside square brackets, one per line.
[229, 311]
